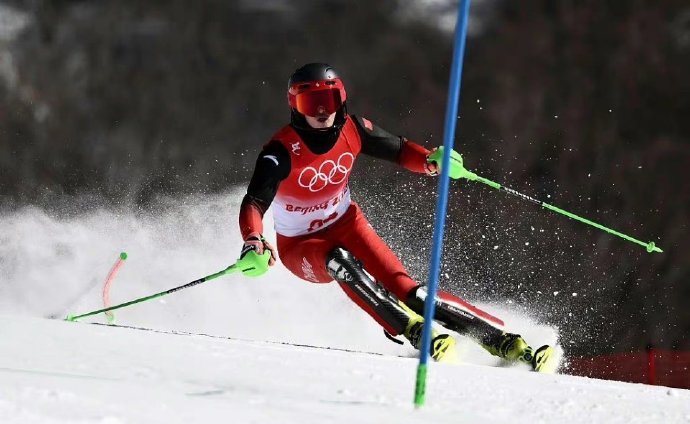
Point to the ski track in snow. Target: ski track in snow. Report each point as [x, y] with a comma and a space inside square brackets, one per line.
[53, 371]
[61, 372]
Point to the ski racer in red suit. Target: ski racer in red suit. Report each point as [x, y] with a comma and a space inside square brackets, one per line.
[322, 235]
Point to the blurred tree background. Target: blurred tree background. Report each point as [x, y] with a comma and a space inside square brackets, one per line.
[583, 104]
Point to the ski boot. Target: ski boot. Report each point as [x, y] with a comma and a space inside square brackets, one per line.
[442, 345]
[544, 360]
[513, 348]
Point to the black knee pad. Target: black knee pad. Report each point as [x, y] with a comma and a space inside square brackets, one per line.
[451, 316]
[415, 302]
[348, 271]
[341, 265]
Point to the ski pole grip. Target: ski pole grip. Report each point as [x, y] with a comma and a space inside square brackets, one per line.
[254, 265]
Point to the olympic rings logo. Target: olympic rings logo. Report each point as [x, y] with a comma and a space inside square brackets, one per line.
[330, 172]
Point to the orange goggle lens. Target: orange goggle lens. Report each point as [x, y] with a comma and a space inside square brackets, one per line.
[318, 102]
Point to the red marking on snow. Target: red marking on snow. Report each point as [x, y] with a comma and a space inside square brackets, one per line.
[367, 124]
[471, 308]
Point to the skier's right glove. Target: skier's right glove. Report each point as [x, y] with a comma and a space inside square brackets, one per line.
[436, 157]
[256, 256]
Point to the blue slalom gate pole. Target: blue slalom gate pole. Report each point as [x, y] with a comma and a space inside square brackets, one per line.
[442, 204]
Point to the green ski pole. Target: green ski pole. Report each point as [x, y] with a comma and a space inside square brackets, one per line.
[464, 173]
[251, 265]
[228, 270]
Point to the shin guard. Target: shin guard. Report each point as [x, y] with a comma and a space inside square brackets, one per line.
[369, 295]
[457, 315]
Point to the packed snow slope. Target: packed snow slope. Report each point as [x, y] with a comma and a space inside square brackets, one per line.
[54, 371]
[55, 263]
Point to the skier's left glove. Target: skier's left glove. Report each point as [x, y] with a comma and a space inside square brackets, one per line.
[433, 163]
[256, 256]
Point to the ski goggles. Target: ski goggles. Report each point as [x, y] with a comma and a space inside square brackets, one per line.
[317, 98]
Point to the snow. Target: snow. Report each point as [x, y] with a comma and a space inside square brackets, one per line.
[52, 371]
[60, 372]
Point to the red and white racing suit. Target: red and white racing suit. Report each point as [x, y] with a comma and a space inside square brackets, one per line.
[312, 209]
[305, 175]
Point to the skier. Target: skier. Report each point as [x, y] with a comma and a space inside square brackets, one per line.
[322, 235]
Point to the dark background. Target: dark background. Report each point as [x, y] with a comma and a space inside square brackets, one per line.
[583, 104]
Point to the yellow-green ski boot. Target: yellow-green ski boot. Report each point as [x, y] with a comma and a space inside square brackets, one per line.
[509, 346]
[442, 345]
[513, 348]
[544, 360]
